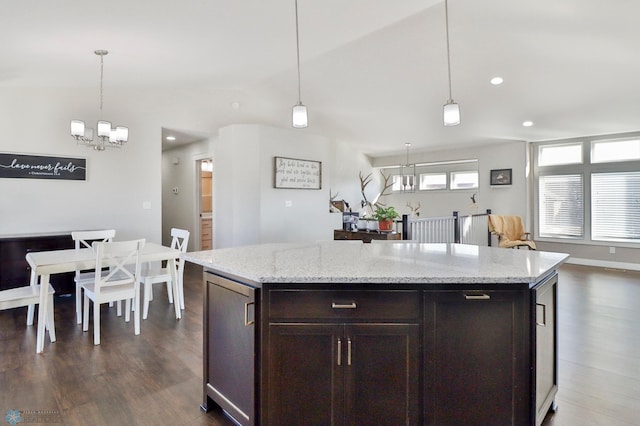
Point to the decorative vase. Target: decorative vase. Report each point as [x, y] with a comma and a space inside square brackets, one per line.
[385, 225]
[372, 225]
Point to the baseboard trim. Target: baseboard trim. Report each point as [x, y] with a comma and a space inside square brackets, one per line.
[604, 264]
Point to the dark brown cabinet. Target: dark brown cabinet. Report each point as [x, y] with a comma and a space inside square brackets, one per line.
[229, 340]
[381, 354]
[546, 347]
[356, 374]
[476, 369]
[14, 269]
[363, 368]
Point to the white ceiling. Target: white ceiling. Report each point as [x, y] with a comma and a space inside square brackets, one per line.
[373, 72]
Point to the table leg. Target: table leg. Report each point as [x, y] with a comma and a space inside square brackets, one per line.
[42, 309]
[171, 264]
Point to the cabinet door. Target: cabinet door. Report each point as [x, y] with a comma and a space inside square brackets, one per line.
[305, 377]
[476, 358]
[546, 347]
[381, 364]
[230, 347]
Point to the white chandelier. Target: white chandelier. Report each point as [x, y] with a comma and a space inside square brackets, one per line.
[116, 137]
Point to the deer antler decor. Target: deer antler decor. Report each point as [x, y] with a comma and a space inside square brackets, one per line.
[414, 210]
[366, 180]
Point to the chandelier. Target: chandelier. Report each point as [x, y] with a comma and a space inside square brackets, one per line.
[106, 134]
[408, 173]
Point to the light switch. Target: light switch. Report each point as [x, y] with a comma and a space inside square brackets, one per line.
[288, 203]
[146, 205]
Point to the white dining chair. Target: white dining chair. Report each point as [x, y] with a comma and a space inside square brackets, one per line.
[119, 284]
[179, 241]
[84, 239]
[29, 295]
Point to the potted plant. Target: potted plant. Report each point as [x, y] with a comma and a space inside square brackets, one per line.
[385, 217]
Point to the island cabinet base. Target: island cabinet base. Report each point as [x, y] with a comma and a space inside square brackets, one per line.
[380, 354]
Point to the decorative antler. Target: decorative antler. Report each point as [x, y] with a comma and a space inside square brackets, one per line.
[414, 210]
[385, 186]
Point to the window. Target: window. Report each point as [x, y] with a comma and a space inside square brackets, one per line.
[588, 191]
[464, 180]
[609, 151]
[433, 181]
[554, 155]
[561, 206]
[615, 206]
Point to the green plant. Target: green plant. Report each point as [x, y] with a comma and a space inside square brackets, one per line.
[385, 213]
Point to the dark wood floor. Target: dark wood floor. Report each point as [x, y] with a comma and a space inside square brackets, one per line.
[156, 378]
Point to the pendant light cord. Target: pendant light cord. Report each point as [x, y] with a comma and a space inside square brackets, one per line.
[298, 54]
[446, 17]
[101, 78]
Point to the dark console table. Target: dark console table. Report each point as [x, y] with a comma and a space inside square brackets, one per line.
[14, 269]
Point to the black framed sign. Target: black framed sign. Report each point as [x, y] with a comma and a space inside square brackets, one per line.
[501, 177]
[297, 174]
[24, 166]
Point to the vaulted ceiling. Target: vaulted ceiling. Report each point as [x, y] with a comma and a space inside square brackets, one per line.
[374, 72]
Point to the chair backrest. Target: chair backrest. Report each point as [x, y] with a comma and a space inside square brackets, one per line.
[117, 255]
[511, 227]
[179, 239]
[83, 239]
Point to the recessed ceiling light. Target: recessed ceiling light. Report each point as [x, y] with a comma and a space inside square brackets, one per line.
[527, 123]
[171, 138]
[496, 81]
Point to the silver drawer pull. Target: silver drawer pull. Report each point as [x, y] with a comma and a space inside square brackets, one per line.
[477, 297]
[247, 322]
[544, 315]
[351, 305]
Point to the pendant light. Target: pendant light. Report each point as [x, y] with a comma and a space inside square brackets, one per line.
[451, 110]
[116, 137]
[299, 116]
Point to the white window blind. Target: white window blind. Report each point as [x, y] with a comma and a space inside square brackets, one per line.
[561, 206]
[615, 206]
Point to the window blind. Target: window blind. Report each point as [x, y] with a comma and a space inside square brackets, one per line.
[615, 206]
[561, 206]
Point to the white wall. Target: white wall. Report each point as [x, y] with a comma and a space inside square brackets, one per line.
[247, 208]
[118, 180]
[508, 200]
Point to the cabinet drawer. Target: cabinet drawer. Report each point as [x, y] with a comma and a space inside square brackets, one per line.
[305, 305]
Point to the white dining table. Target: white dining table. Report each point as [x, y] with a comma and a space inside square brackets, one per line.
[46, 263]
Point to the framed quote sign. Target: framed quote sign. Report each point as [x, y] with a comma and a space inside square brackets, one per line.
[294, 173]
[24, 166]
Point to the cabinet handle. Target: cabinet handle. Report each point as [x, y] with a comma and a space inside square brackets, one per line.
[339, 351]
[351, 305]
[544, 315]
[477, 297]
[349, 351]
[246, 314]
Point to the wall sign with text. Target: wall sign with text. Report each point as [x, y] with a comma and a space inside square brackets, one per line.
[297, 174]
[42, 167]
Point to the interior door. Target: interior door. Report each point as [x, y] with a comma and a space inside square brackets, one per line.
[206, 203]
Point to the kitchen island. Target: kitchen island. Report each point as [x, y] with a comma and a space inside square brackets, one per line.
[338, 333]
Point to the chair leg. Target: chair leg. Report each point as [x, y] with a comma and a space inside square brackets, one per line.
[50, 323]
[181, 293]
[119, 308]
[147, 290]
[169, 292]
[78, 304]
[127, 310]
[85, 320]
[96, 323]
[30, 314]
[136, 314]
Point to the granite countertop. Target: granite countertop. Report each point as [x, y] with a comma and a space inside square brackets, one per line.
[354, 262]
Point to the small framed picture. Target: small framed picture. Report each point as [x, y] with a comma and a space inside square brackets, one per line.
[500, 177]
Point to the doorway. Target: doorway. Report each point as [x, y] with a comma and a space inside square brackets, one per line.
[205, 196]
